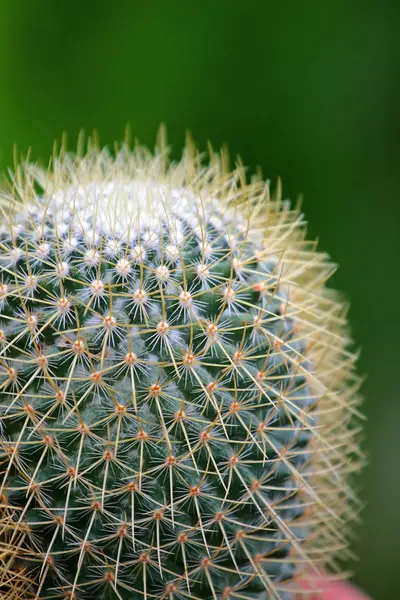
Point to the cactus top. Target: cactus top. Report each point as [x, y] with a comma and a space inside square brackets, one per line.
[176, 392]
[124, 210]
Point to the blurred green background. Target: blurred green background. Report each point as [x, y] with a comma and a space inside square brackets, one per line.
[309, 90]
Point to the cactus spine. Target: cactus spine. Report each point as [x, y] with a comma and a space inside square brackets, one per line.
[177, 396]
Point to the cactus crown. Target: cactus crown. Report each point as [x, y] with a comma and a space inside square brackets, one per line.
[177, 396]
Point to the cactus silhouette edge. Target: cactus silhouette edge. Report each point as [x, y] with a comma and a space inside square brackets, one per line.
[178, 396]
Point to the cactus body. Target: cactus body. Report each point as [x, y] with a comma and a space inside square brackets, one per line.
[176, 392]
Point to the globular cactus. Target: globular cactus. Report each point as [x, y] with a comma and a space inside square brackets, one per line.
[178, 401]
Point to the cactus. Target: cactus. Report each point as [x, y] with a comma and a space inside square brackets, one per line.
[178, 401]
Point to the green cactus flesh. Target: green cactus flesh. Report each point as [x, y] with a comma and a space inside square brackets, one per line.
[176, 393]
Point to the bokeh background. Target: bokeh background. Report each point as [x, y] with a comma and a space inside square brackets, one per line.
[309, 90]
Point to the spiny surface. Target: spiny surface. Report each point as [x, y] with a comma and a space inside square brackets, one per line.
[176, 393]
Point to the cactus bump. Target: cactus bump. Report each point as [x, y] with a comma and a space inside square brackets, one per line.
[178, 394]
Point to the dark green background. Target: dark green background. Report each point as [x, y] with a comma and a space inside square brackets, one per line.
[309, 90]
